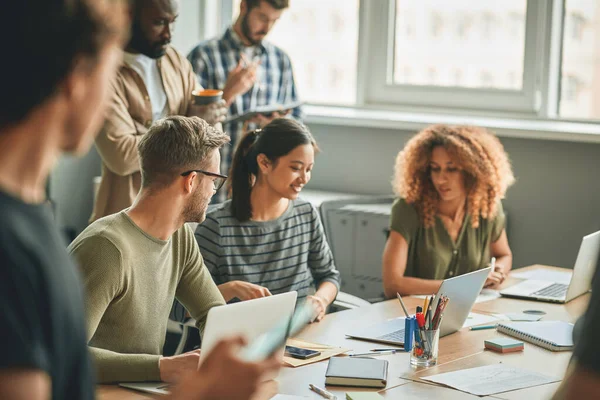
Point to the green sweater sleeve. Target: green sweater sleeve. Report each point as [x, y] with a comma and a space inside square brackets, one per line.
[102, 276]
[196, 290]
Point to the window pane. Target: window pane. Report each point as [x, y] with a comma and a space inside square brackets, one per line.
[321, 38]
[460, 43]
[580, 75]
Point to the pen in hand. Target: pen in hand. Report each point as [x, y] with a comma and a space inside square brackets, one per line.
[322, 392]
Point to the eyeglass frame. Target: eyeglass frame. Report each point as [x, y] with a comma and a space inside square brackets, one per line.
[215, 175]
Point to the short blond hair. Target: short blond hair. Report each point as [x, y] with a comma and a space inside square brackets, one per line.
[174, 145]
[479, 154]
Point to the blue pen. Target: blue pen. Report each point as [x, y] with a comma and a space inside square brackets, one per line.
[482, 327]
[410, 324]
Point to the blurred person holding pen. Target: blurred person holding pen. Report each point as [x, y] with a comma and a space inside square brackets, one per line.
[251, 71]
[448, 219]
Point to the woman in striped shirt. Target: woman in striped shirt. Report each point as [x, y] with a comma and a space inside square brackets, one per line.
[266, 240]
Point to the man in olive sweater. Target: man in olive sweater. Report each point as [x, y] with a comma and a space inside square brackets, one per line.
[135, 262]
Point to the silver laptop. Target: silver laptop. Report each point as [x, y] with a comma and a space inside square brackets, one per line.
[556, 292]
[461, 290]
[251, 319]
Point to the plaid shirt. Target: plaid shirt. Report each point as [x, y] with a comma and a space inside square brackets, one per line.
[213, 59]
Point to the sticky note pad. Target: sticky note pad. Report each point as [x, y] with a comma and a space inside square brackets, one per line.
[504, 345]
[363, 396]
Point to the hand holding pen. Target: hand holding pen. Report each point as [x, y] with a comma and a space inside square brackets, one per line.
[496, 276]
[240, 79]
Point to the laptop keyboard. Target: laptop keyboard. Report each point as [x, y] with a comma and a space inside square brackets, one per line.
[396, 336]
[557, 290]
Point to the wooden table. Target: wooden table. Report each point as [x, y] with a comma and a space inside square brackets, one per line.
[460, 350]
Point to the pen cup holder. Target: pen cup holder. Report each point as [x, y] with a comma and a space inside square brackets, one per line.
[425, 348]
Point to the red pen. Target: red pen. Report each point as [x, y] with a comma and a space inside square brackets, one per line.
[420, 320]
[421, 323]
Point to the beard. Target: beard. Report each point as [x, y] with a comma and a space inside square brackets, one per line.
[248, 33]
[195, 211]
[139, 42]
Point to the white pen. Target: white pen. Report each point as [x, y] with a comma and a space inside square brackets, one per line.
[322, 392]
[493, 263]
[373, 353]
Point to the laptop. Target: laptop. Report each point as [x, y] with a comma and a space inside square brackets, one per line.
[251, 319]
[557, 292]
[461, 290]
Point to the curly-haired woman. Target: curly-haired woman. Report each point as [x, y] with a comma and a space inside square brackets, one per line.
[448, 219]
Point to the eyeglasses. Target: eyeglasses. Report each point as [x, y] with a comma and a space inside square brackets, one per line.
[218, 182]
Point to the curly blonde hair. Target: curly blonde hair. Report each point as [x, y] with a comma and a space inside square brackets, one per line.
[478, 153]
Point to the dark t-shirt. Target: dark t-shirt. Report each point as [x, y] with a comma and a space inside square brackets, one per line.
[587, 345]
[41, 304]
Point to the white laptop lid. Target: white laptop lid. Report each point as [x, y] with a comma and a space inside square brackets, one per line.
[585, 266]
[249, 318]
[581, 279]
[462, 291]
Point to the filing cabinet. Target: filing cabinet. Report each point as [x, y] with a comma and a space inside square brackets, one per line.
[357, 234]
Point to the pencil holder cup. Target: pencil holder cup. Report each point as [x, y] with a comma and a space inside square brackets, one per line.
[425, 348]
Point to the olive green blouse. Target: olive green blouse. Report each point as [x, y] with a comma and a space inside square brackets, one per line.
[432, 254]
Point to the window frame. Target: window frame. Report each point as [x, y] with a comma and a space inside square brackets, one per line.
[381, 90]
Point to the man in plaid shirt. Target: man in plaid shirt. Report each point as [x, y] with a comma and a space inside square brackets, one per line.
[250, 71]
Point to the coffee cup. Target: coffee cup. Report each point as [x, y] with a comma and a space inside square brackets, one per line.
[207, 96]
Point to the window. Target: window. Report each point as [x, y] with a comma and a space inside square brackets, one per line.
[466, 42]
[436, 25]
[486, 79]
[575, 25]
[321, 38]
[515, 58]
[580, 73]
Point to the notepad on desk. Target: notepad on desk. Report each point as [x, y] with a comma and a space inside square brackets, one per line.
[359, 372]
[551, 335]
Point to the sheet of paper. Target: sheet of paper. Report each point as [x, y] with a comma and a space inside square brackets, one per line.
[478, 319]
[545, 275]
[326, 352]
[287, 397]
[487, 295]
[491, 379]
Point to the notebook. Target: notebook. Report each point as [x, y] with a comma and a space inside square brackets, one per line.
[361, 372]
[551, 335]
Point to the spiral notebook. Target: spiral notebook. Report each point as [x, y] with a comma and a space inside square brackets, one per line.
[551, 335]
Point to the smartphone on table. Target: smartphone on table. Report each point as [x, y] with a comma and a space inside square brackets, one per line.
[303, 354]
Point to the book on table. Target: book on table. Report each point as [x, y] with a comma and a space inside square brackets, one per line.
[356, 371]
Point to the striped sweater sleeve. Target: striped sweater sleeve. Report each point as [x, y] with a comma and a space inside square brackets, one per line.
[208, 236]
[320, 258]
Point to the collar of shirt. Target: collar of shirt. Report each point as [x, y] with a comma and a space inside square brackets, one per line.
[235, 42]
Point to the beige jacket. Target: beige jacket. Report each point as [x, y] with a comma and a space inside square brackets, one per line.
[128, 118]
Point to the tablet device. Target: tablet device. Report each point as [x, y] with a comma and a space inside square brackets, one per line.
[266, 110]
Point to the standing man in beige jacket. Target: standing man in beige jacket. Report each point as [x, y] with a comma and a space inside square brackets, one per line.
[154, 81]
